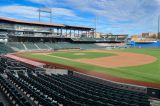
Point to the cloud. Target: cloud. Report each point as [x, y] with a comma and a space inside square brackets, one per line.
[17, 10]
[32, 12]
[113, 9]
[42, 1]
[59, 15]
[127, 14]
[63, 12]
[49, 3]
[158, 1]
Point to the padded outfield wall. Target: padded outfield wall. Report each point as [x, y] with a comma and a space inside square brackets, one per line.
[144, 44]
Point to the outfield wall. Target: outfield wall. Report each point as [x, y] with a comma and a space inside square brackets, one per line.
[144, 44]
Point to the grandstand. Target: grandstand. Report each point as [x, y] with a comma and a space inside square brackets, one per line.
[23, 35]
[67, 90]
[50, 46]
[5, 49]
[20, 35]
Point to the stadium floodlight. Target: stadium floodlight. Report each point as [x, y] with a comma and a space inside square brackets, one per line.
[47, 11]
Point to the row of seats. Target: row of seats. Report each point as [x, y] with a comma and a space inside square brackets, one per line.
[4, 49]
[17, 45]
[139, 99]
[1, 103]
[58, 94]
[94, 85]
[64, 90]
[12, 93]
[47, 45]
[61, 96]
[80, 98]
[87, 88]
[84, 97]
[30, 90]
[30, 46]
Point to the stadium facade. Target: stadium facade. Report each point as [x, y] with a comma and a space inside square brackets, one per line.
[16, 30]
[12, 28]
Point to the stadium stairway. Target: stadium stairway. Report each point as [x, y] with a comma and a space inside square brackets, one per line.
[42, 46]
[30, 46]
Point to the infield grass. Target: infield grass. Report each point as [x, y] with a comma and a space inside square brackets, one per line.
[147, 72]
[80, 55]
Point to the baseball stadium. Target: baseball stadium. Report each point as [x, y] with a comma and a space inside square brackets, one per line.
[45, 64]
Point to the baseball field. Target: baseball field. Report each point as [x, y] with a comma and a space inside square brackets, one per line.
[139, 64]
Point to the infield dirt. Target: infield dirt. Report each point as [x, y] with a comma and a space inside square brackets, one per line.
[121, 59]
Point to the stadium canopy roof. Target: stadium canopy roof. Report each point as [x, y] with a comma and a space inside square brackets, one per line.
[43, 24]
[121, 35]
[77, 27]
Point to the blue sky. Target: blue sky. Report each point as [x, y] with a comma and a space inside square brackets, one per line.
[113, 16]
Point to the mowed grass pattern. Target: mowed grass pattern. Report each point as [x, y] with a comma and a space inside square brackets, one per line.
[80, 55]
[148, 72]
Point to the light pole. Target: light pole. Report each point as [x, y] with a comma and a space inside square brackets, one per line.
[158, 37]
[95, 26]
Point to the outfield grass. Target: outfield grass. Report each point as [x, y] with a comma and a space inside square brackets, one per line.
[148, 72]
[80, 55]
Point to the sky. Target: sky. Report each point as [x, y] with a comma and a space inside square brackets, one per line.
[113, 16]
